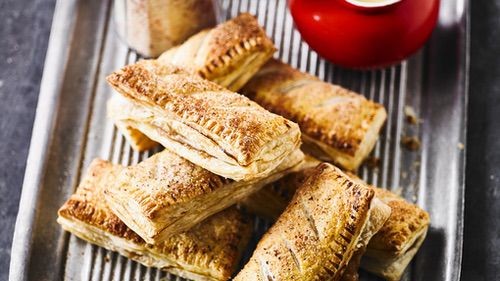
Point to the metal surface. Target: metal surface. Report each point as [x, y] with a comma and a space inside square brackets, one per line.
[71, 129]
[482, 205]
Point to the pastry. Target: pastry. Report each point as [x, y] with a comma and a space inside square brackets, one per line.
[229, 54]
[393, 247]
[389, 251]
[214, 128]
[166, 194]
[208, 251]
[338, 125]
[318, 232]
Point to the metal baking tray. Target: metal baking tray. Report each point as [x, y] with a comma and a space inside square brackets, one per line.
[71, 129]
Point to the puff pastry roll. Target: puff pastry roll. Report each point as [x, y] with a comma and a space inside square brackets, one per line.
[214, 128]
[229, 54]
[208, 251]
[166, 194]
[317, 234]
[338, 125]
[392, 247]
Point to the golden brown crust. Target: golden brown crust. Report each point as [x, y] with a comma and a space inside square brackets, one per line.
[242, 130]
[234, 38]
[406, 219]
[87, 204]
[343, 124]
[220, 239]
[236, 31]
[167, 194]
[211, 248]
[318, 232]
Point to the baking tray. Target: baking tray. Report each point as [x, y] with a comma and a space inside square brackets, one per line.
[71, 129]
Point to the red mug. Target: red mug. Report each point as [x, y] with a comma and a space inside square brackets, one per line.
[365, 33]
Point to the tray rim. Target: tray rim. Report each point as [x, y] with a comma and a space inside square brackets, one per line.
[43, 125]
[55, 62]
[466, 68]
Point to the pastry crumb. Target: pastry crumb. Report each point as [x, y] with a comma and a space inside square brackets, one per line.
[372, 162]
[460, 146]
[411, 143]
[411, 116]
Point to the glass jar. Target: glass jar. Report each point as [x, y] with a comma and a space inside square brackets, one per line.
[151, 27]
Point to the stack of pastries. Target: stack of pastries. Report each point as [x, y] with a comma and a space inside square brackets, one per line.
[188, 209]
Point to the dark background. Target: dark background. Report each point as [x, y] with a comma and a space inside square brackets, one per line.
[24, 33]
